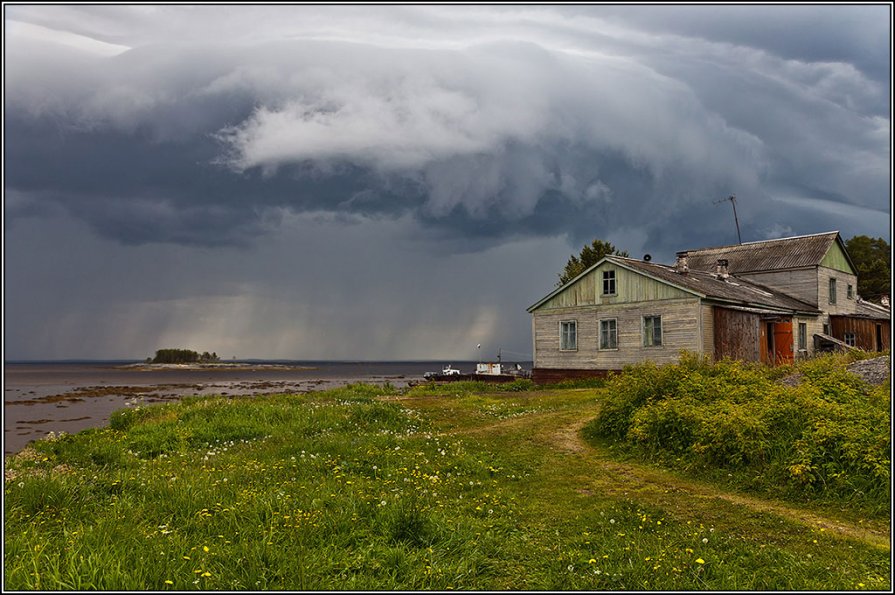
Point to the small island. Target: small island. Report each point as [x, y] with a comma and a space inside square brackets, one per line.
[187, 359]
[182, 356]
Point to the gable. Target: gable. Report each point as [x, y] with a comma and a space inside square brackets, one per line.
[630, 286]
[837, 258]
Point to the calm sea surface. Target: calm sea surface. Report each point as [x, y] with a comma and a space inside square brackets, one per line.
[43, 397]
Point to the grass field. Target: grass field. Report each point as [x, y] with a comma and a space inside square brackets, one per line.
[460, 486]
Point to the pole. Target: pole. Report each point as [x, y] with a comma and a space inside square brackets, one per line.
[733, 201]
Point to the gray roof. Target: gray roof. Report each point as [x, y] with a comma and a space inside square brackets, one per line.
[733, 290]
[768, 255]
[870, 310]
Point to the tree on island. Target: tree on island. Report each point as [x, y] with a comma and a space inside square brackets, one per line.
[590, 255]
[183, 356]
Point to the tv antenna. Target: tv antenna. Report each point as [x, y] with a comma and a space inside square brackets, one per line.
[733, 201]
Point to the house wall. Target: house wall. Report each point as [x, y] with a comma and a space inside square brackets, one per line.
[708, 329]
[680, 331]
[630, 287]
[843, 305]
[798, 283]
[737, 334]
[864, 330]
[814, 325]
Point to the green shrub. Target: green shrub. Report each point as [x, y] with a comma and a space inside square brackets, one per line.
[826, 438]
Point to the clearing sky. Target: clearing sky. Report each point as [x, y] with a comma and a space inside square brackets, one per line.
[401, 182]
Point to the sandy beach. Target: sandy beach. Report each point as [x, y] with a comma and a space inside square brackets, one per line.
[40, 398]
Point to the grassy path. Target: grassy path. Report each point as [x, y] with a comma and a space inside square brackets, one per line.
[589, 471]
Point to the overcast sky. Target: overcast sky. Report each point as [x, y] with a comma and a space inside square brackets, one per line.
[401, 182]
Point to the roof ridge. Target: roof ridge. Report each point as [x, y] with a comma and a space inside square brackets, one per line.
[752, 243]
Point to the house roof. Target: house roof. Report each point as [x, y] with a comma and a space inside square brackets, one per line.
[732, 290]
[769, 255]
[865, 309]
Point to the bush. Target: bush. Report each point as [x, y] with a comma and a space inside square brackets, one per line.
[826, 438]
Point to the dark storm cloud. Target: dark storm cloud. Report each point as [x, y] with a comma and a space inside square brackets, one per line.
[200, 143]
[479, 139]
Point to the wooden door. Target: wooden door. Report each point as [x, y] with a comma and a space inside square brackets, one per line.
[783, 343]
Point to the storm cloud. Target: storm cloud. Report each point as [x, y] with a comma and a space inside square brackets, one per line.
[219, 132]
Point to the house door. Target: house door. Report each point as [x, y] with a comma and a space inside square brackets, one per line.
[783, 343]
[879, 337]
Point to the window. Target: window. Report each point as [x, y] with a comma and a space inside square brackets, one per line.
[803, 336]
[608, 334]
[850, 339]
[832, 291]
[652, 331]
[849, 292]
[568, 335]
[608, 282]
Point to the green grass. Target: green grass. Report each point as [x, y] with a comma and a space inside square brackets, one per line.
[455, 486]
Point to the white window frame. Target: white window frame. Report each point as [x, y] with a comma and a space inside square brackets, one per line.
[849, 339]
[803, 336]
[832, 285]
[562, 335]
[653, 345]
[612, 282]
[850, 291]
[614, 322]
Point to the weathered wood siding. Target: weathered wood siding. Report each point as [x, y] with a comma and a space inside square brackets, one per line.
[708, 329]
[737, 334]
[835, 258]
[813, 325]
[680, 331]
[865, 330]
[798, 283]
[630, 287]
[843, 305]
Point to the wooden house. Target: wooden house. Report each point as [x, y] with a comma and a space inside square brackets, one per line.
[769, 301]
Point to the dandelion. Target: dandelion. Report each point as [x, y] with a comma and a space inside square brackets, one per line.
[169, 582]
[611, 521]
[591, 561]
[705, 540]
[700, 561]
[204, 548]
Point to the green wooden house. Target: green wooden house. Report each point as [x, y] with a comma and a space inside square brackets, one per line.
[769, 301]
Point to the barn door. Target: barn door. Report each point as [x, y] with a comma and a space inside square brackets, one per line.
[783, 343]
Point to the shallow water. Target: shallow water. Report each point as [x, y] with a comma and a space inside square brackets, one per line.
[39, 398]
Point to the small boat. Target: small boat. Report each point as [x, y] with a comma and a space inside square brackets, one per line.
[445, 371]
[484, 371]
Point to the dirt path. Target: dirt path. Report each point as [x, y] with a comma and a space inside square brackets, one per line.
[597, 472]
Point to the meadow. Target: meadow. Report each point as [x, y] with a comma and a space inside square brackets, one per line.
[463, 486]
